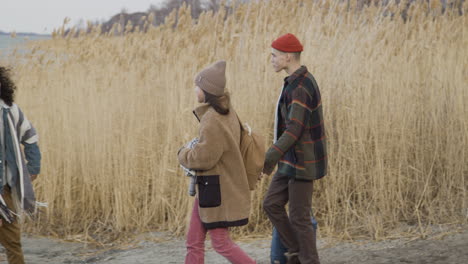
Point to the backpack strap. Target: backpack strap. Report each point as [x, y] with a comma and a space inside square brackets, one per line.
[240, 123]
[249, 129]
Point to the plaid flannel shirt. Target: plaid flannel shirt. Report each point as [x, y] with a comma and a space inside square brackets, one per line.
[299, 148]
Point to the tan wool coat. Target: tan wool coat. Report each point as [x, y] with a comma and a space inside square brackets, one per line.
[222, 185]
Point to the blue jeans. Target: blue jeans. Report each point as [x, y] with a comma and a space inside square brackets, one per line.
[278, 249]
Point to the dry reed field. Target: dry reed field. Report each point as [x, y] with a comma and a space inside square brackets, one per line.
[112, 111]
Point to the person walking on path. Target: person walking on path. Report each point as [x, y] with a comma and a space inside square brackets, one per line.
[299, 149]
[223, 190]
[16, 192]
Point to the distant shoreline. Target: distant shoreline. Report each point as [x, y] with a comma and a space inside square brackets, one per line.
[24, 34]
[9, 43]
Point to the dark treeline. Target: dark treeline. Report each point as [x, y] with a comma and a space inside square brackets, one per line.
[155, 16]
[125, 22]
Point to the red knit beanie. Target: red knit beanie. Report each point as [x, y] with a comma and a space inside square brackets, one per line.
[287, 43]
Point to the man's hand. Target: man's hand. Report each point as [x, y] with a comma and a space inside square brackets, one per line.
[272, 156]
[33, 177]
[260, 176]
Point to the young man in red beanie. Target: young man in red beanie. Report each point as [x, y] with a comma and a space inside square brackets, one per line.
[299, 149]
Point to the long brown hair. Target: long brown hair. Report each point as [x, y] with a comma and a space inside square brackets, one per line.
[220, 104]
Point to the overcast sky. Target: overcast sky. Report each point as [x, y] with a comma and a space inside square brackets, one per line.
[42, 16]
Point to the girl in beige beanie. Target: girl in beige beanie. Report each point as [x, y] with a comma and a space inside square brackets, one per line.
[223, 194]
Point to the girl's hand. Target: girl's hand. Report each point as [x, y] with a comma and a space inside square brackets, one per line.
[33, 177]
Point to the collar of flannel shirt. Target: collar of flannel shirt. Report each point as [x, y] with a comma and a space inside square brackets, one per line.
[299, 72]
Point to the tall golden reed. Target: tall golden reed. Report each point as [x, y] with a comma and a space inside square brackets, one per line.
[113, 111]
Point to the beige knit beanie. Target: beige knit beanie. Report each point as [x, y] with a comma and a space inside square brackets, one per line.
[212, 79]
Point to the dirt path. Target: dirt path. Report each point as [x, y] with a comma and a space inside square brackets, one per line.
[439, 249]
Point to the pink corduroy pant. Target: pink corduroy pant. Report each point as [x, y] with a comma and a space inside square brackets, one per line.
[220, 240]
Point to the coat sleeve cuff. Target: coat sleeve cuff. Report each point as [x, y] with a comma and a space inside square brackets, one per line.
[272, 156]
[34, 170]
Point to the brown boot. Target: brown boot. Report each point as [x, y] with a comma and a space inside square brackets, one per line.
[293, 258]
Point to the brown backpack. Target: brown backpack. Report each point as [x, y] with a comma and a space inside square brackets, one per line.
[252, 147]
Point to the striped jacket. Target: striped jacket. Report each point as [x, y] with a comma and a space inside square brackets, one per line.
[299, 146]
[28, 161]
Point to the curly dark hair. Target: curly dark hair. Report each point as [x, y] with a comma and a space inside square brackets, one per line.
[7, 86]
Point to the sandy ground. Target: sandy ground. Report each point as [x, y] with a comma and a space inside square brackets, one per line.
[442, 248]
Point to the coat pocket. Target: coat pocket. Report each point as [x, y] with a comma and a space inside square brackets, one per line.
[209, 191]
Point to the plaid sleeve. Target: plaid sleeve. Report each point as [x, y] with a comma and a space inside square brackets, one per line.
[298, 111]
